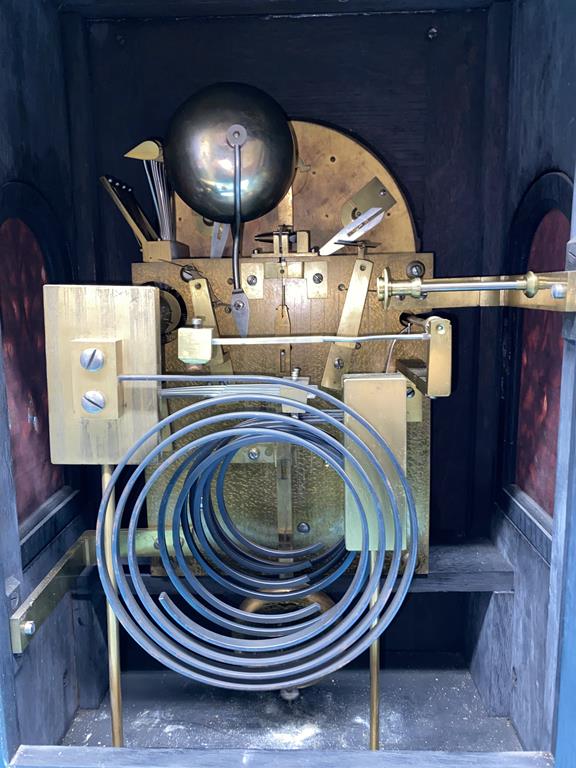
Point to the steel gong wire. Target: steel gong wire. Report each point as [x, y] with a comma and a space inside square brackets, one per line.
[203, 633]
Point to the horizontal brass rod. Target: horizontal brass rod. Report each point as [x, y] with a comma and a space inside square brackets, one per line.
[429, 286]
[252, 340]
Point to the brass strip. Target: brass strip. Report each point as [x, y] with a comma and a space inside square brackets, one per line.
[285, 210]
[374, 675]
[284, 494]
[340, 354]
[114, 671]
[37, 607]
[282, 328]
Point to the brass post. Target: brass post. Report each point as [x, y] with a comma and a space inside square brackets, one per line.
[374, 676]
[113, 626]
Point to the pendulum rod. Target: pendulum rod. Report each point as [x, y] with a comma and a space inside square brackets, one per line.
[374, 677]
[112, 624]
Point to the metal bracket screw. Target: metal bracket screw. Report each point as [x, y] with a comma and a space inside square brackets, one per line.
[339, 363]
[317, 278]
[28, 627]
[92, 359]
[93, 401]
[254, 454]
[415, 269]
[251, 279]
[558, 291]
[410, 392]
[186, 274]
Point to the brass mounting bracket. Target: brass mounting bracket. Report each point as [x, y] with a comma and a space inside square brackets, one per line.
[433, 376]
[45, 597]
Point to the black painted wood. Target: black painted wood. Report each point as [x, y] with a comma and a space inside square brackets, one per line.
[46, 680]
[495, 223]
[558, 694]
[489, 652]
[97, 757]
[529, 518]
[47, 522]
[84, 177]
[452, 229]
[531, 652]
[476, 566]
[187, 8]
[10, 566]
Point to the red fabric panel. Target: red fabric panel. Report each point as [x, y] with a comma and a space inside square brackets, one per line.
[539, 406]
[22, 321]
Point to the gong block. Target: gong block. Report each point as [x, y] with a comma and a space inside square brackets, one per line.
[123, 323]
[381, 400]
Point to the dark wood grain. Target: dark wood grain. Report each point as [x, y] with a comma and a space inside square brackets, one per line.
[180, 8]
[531, 653]
[476, 566]
[10, 566]
[84, 175]
[490, 623]
[494, 222]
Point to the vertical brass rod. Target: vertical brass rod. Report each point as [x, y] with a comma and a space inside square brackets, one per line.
[374, 677]
[113, 626]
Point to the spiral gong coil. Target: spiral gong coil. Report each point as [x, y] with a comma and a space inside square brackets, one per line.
[204, 633]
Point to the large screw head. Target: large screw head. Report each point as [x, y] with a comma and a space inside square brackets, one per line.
[415, 269]
[317, 278]
[186, 274]
[251, 279]
[254, 454]
[93, 401]
[338, 363]
[92, 359]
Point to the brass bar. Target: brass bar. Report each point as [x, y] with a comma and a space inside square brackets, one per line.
[441, 286]
[374, 676]
[339, 357]
[113, 626]
[235, 341]
[284, 495]
[38, 606]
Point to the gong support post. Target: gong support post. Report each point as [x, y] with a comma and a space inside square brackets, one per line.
[113, 627]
